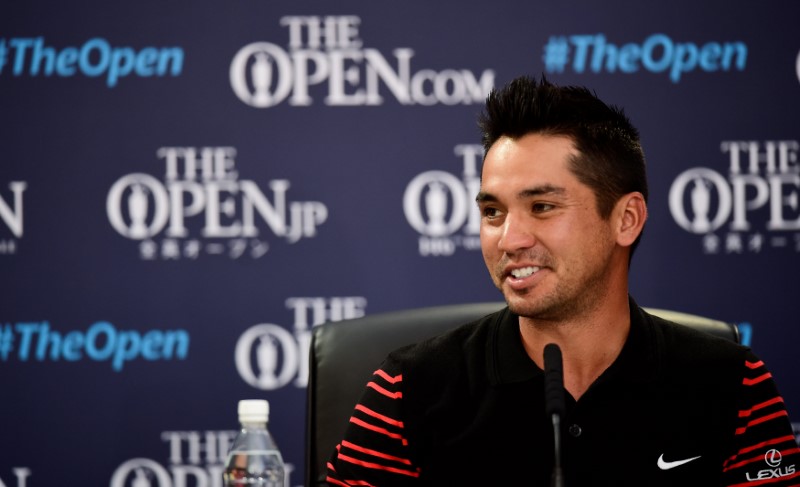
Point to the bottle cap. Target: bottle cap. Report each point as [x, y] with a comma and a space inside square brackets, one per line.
[253, 411]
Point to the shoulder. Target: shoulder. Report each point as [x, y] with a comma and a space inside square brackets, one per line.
[451, 359]
[469, 338]
[680, 347]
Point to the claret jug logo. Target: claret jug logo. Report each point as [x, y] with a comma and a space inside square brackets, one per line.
[755, 206]
[269, 356]
[441, 206]
[202, 193]
[327, 51]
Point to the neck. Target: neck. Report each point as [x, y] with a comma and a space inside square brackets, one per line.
[589, 344]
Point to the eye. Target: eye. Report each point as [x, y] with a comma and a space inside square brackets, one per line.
[489, 212]
[540, 207]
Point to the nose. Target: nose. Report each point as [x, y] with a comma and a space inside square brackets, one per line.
[517, 233]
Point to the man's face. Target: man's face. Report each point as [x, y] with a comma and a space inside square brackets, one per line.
[543, 240]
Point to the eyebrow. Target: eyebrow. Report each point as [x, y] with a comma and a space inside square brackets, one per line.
[525, 193]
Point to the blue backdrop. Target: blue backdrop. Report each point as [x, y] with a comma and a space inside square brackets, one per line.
[187, 188]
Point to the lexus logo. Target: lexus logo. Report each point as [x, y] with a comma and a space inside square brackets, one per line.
[773, 458]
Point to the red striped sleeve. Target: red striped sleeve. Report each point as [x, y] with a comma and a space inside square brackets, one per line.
[388, 378]
[375, 453]
[375, 449]
[374, 414]
[765, 452]
[747, 412]
[381, 390]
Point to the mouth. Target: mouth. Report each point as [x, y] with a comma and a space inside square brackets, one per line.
[523, 272]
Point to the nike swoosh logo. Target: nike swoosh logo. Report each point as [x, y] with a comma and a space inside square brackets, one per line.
[665, 465]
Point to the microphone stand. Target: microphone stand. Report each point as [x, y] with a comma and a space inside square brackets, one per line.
[555, 404]
[557, 479]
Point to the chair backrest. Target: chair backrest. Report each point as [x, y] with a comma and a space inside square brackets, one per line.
[344, 354]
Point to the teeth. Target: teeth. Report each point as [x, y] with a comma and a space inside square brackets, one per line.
[524, 272]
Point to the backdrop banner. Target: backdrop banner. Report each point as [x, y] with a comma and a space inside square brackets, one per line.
[188, 188]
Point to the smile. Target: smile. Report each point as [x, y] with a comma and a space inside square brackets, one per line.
[525, 271]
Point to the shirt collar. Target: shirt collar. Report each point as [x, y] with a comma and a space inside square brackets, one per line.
[506, 358]
[507, 361]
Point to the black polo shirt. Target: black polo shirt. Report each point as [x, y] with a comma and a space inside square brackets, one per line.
[467, 408]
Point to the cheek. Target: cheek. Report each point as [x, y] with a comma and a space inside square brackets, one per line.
[592, 242]
[486, 249]
[488, 246]
[575, 239]
[485, 234]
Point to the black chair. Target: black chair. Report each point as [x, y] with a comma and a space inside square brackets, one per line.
[344, 354]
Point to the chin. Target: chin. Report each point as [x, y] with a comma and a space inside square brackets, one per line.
[532, 305]
[520, 305]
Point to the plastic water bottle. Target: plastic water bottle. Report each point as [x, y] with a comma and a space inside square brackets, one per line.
[254, 459]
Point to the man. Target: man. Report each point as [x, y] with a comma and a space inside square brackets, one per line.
[648, 402]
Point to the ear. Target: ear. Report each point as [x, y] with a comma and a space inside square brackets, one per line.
[630, 213]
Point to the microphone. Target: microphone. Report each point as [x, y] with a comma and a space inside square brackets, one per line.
[554, 404]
